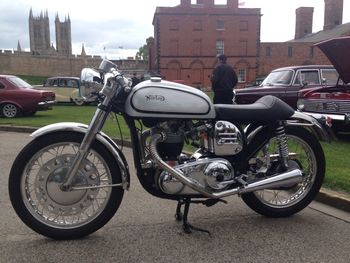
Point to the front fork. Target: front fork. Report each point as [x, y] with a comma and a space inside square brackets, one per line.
[95, 126]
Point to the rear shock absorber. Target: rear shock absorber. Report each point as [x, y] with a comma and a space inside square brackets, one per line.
[282, 145]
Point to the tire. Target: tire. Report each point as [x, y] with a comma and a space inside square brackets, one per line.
[10, 110]
[305, 154]
[35, 194]
[79, 102]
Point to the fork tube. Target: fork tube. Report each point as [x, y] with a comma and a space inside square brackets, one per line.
[95, 126]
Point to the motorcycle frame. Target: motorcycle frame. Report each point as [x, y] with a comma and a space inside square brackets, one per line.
[257, 135]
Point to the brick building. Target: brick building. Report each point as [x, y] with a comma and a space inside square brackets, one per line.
[300, 50]
[188, 37]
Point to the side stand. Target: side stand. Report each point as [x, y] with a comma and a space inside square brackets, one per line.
[187, 227]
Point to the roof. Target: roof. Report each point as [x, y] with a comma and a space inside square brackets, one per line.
[306, 67]
[338, 31]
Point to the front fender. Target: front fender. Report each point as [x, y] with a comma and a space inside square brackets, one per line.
[101, 137]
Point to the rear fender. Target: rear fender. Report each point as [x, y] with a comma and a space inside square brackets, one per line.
[320, 129]
[101, 137]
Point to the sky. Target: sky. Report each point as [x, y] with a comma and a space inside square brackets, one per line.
[117, 28]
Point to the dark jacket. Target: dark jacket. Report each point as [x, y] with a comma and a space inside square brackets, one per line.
[223, 78]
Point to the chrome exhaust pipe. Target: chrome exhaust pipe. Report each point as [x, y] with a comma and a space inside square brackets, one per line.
[291, 177]
[294, 176]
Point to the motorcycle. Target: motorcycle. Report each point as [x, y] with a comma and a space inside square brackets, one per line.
[69, 180]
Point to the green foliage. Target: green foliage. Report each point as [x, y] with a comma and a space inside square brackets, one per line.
[337, 165]
[143, 53]
[33, 80]
[68, 113]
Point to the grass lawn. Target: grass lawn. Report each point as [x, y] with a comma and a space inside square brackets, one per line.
[337, 153]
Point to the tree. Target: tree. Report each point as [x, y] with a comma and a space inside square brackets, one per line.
[143, 53]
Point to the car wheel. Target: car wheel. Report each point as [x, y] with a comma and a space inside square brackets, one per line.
[79, 101]
[9, 110]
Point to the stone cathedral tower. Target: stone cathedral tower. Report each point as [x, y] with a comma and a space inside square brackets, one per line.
[39, 33]
[63, 36]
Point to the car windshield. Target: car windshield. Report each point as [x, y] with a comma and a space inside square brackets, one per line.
[20, 82]
[281, 77]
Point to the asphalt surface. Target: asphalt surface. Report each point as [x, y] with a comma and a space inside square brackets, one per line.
[144, 230]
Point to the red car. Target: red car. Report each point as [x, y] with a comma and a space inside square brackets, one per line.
[331, 101]
[17, 97]
[285, 83]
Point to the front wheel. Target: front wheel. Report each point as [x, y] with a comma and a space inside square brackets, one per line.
[306, 154]
[39, 171]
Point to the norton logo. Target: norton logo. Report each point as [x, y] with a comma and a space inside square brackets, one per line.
[154, 98]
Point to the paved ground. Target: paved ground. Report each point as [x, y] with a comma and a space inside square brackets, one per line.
[144, 230]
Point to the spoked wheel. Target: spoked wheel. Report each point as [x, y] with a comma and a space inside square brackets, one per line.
[35, 187]
[306, 154]
[9, 110]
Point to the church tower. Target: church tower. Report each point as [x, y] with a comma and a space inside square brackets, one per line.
[39, 33]
[63, 36]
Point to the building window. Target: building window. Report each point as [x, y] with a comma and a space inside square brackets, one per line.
[243, 47]
[197, 47]
[290, 51]
[241, 75]
[267, 51]
[174, 25]
[197, 25]
[220, 47]
[220, 25]
[243, 25]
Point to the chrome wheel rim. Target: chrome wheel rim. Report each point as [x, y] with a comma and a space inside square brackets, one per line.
[303, 158]
[43, 176]
[9, 110]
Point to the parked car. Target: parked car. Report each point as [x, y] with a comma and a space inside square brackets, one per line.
[331, 101]
[69, 89]
[286, 82]
[18, 97]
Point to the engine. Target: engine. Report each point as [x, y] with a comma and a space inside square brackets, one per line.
[206, 168]
[215, 174]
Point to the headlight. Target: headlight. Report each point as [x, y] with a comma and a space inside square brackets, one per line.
[300, 104]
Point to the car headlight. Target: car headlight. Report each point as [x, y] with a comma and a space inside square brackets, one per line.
[301, 104]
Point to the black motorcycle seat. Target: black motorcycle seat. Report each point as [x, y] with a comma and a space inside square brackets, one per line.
[267, 108]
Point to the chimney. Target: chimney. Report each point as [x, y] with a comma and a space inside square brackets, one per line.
[333, 13]
[185, 3]
[206, 3]
[232, 4]
[303, 21]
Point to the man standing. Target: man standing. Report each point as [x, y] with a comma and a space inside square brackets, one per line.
[135, 80]
[223, 80]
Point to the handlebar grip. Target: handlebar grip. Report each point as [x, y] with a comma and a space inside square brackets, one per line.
[125, 84]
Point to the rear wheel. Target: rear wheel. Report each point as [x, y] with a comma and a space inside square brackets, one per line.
[9, 110]
[306, 154]
[39, 171]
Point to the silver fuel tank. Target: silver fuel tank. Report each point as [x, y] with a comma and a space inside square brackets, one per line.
[158, 98]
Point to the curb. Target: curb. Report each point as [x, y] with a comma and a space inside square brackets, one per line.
[332, 198]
